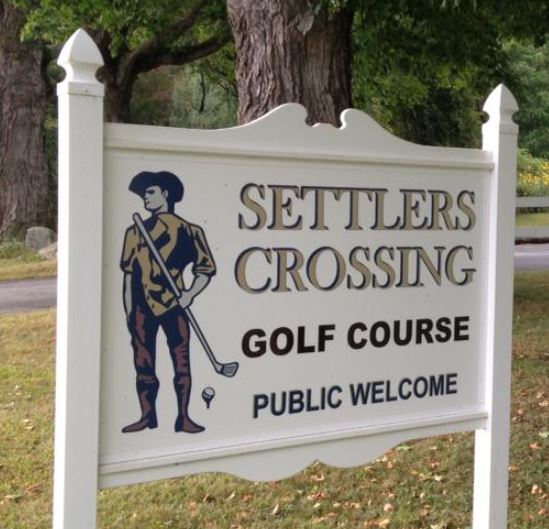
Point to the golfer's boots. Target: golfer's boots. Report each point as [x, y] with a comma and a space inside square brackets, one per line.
[146, 392]
[184, 423]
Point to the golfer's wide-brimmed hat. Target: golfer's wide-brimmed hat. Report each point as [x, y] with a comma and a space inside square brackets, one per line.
[164, 179]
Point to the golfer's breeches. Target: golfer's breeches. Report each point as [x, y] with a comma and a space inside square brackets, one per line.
[143, 327]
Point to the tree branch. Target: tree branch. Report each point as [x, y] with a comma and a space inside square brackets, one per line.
[158, 43]
[184, 55]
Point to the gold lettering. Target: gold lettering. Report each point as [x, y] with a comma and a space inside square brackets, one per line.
[252, 205]
[410, 206]
[240, 270]
[439, 210]
[468, 210]
[312, 272]
[285, 269]
[450, 260]
[282, 205]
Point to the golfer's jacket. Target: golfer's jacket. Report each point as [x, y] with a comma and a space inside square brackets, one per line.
[180, 243]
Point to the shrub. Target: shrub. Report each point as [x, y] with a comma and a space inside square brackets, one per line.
[532, 175]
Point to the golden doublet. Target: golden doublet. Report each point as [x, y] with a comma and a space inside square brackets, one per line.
[180, 243]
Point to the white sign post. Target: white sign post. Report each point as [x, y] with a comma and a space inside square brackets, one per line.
[249, 300]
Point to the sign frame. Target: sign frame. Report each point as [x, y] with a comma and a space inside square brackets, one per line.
[82, 140]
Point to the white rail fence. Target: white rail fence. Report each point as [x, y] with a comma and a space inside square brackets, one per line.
[532, 232]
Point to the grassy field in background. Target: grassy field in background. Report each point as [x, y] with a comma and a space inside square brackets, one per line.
[16, 262]
[532, 219]
[420, 484]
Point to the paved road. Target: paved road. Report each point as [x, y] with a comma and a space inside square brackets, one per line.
[532, 257]
[34, 294]
[26, 295]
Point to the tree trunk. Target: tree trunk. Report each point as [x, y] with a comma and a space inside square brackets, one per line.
[117, 97]
[23, 167]
[286, 53]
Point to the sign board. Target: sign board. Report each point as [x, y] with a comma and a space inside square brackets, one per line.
[340, 291]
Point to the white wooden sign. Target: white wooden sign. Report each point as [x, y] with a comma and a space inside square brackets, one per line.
[250, 300]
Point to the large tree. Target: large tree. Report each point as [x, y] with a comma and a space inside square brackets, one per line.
[23, 167]
[300, 51]
[288, 51]
[133, 37]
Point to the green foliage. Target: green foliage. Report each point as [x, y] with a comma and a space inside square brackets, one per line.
[424, 72]
[532, 176]
[125, 23]
[199, 104]
[202, 95]
[13, 249]
[529, 81]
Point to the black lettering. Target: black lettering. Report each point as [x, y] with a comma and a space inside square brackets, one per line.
[423, 392]
[398, 338]
[282, 407]
[351, 339]
[275, 347]
[301, 346]
[310, 406]
[260, 403]
[296, 401]
[377, 389]
[259, 346]
[451, 383]
[374, 340]
[324, 337]
[436, 385]
[388, 396]
[444, 331]
[424, 326]
[401, 394]
[334, 402]
[359, 393]
[461, 326]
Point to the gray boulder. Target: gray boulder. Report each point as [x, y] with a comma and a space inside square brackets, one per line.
[39, 237]
[49, 252]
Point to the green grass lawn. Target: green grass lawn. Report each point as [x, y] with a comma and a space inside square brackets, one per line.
[421, 484]
[532, 219]
[16, 262]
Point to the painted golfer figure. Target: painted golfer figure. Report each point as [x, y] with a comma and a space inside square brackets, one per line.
[162, 244]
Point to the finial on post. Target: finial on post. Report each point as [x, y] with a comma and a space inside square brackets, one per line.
[80, 58]
[500, 106]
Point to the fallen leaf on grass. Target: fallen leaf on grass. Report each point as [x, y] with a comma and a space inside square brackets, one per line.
[543, 403]
[536, 489]
[388, 507]
[276, 510]
[33, 487]
[534, 446]
[320, 495]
